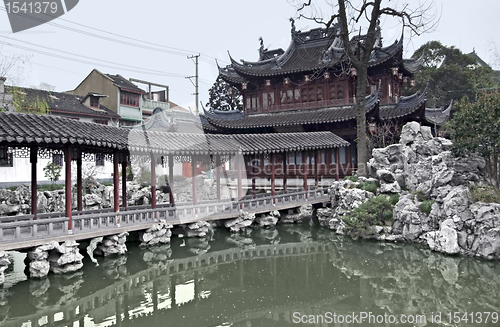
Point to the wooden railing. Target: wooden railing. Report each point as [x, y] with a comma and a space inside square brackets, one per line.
[20, 228]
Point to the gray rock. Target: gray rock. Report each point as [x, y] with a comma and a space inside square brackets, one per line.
[445, 239]
[39, 269]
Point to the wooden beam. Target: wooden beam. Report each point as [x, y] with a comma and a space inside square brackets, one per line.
[153, 181]
[124, 181]
[67, 186]
[217, 175]
[116, 183]
[316, 180]
[34, 190]
[272, 156]
[79, 184]
[171, 178]
[285, 170]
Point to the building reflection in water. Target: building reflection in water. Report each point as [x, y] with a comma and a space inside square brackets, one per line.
[262, 285]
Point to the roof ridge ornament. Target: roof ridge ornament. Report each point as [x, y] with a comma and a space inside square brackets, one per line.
[293, 30]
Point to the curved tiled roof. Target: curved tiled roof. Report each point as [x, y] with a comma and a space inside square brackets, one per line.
[307, 51]
[438, 116]
[54, 132]
[406, 106]
[237, 120]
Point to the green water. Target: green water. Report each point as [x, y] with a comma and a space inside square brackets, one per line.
[293, 276]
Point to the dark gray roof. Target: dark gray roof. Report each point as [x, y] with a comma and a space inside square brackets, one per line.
[438, 116]
[237, 120]
[406, 106]
[52, 131]
[61, 103]
[124, 84]
[307, 51]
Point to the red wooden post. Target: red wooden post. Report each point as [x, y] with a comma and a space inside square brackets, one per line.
[171, 178]
[79, 184]
[254, 192]
[67, 186]
[285, 170]
[153, 182]
[218, 172]
[124, 181]
[34, 191]
[240, 186]
[337, 164]
[316, 180]
[116, 183]
[304, 164]
[272, 156]
[193, 173]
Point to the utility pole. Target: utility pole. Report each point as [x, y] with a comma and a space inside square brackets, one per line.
[196, 93]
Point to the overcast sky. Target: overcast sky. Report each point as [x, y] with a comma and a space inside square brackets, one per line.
[183, 28]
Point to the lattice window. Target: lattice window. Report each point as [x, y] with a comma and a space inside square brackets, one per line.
[99, 159]
[57, 159]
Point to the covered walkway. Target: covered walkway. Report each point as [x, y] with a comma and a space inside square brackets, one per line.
[36, 136]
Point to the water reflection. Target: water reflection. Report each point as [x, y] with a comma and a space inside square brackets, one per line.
[261, 279]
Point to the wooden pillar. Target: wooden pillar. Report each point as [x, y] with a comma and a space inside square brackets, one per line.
[304, 164]
[285, 170]
[171, 178]
[124, 181]
[337, 163]
[153, 181]
[79, 184]
[316, 180]
[116, 183]
[254, 192]
[193, 173]
[240, 186]
[272, 156]
[34, 190]
[67, 186]
[218, 173]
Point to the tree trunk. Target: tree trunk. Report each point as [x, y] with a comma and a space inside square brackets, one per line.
[361, 121]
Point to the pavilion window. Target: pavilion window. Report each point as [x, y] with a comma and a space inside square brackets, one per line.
[94, 102]
[6, 158]
[333, 92]
[310, 159]
[266, 161]
[296, 93]
[319, 93]
[291, 158]
[248, 103]
[99, 159]
[340, 91]
[100, 121]
[342, 155]
[312, 95]
[57, 158]
[323, 157]
[289, 96]
[255, 102]
[304, 94]
[270, 99]
[298, 158]
[265, 100]
[282, 97]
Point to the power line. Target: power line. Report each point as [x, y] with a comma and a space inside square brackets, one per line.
[86, 61]
[95, 59]
[174, 51]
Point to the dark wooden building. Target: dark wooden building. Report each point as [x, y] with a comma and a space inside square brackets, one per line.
[311, 86]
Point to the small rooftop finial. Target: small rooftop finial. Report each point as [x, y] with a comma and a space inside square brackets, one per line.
[293, 24]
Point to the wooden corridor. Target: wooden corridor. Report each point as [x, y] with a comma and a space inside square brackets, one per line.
[19, 232]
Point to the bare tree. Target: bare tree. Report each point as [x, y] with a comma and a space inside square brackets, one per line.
[356, 18]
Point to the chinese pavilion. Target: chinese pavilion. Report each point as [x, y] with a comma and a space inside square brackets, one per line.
[311, 86]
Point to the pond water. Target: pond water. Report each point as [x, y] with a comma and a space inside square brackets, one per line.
[291, 276]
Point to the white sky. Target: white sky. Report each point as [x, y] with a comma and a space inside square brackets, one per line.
[208, 27]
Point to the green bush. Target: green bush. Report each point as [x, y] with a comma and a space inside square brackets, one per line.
[485, 193]
[394, 199]
[377, 210]
[371, 186]
[426, 206]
